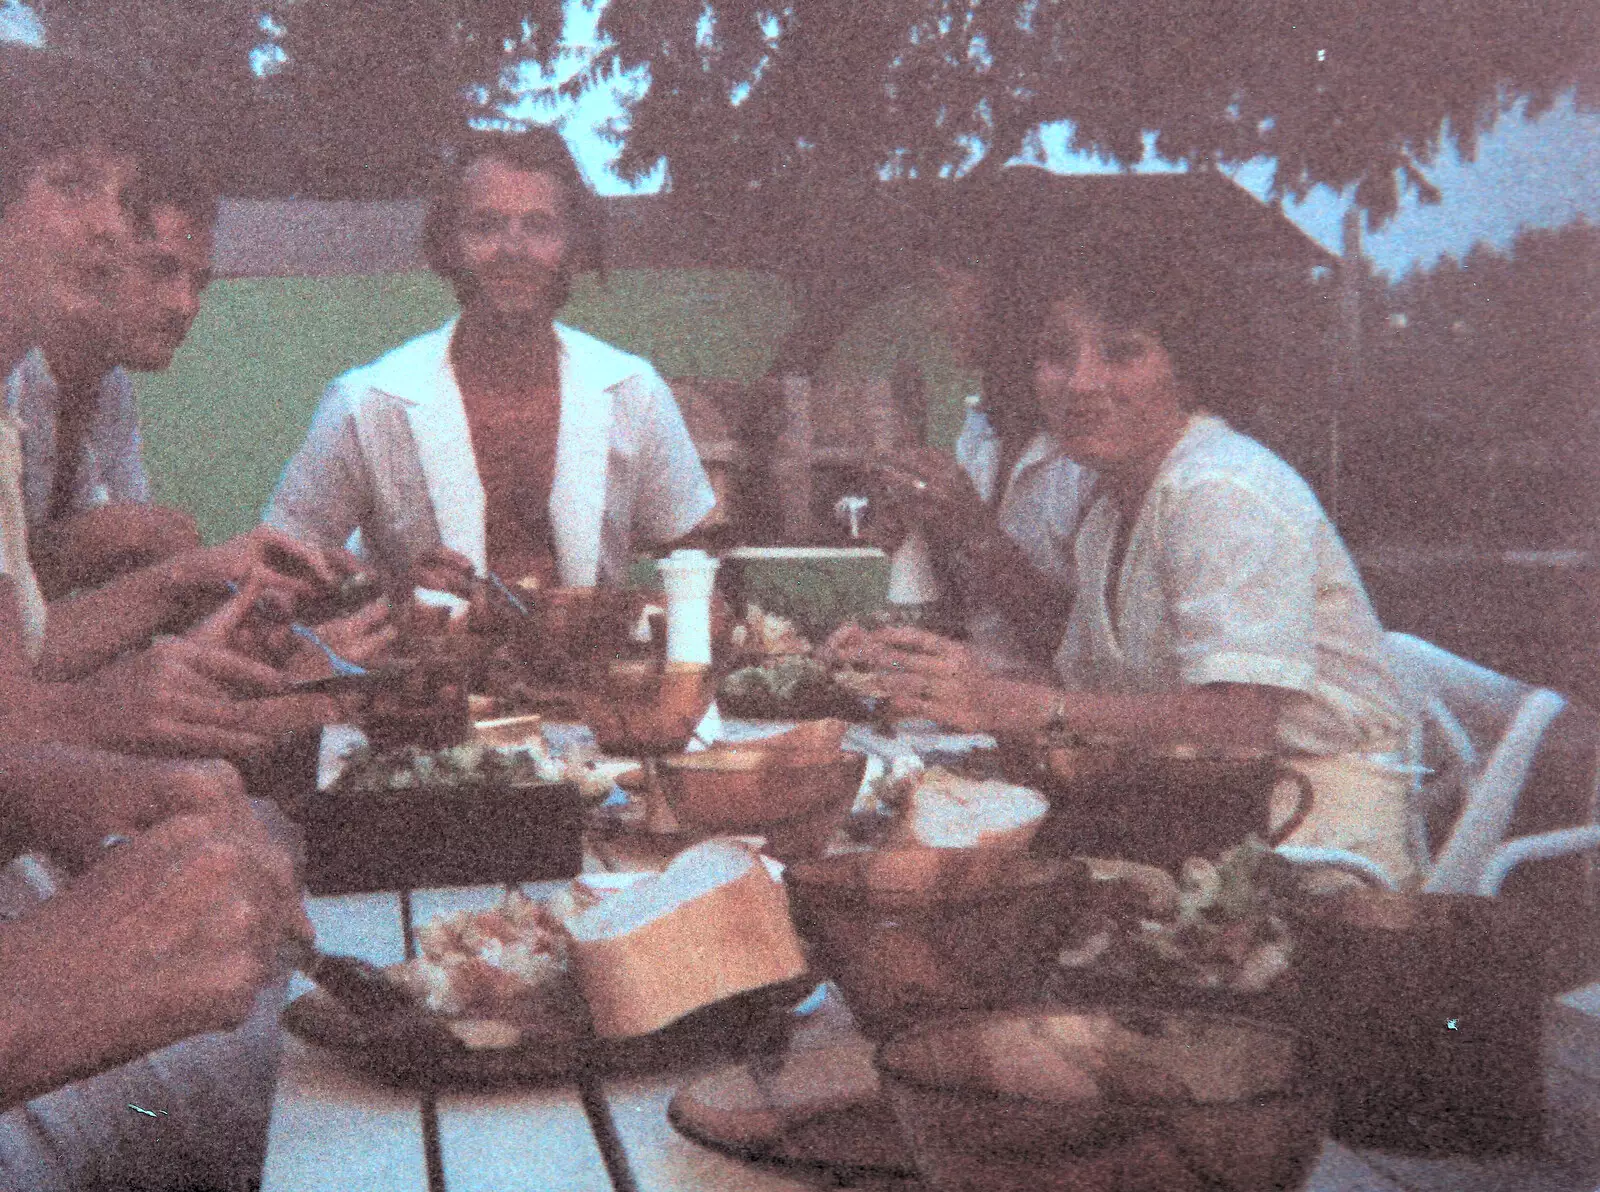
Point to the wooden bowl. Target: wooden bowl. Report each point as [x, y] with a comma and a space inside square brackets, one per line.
[904, 932]
[636, 709]
[796, 800]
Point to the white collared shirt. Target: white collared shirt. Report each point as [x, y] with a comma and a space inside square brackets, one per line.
[112, 467]
[14, 561]
[1233, 574]
[389, 454]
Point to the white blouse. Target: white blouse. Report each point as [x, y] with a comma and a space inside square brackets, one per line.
[1233, 574]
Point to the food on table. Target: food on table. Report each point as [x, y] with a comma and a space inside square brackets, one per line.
[766, 633]
[1217, 926]
[508, 730]
[946, 810]
[464, 767]
[791, 687]
[713, 924]
[489, 971]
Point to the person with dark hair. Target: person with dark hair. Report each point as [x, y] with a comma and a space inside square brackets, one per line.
[1215, 603]
[1001, 515]
[179, 898]
[74, 215]
[85, 487]
[503, 439]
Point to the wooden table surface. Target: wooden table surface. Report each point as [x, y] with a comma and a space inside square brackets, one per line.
[337, 1131]
[334, 1130]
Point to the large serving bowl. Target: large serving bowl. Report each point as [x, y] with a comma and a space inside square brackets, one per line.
[906, 931]
[1161, 806]
[795, 799]
[1120, 1100]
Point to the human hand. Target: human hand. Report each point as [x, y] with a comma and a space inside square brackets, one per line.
[364, 637]
[926, 676]
[171, 935]
[190, 695]
[927, 487]
[66, 799]
[287, 568]
[444, 570]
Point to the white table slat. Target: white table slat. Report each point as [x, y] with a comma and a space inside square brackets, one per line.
[523, 1140]
[332, 1131]
[364, 925]
[427, 905]
[1342, 1170]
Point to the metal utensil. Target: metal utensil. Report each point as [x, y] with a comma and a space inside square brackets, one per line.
[510, 597]
[342, 666]
[372, 679]
[357, 984]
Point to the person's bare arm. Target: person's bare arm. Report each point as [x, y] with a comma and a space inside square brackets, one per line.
[169, 936]
[94, 547]
[66, 799]
[193, 696]
[928, 676]
[973, 554]
[89, 630]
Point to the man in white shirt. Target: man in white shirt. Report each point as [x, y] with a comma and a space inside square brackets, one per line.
[504, 437]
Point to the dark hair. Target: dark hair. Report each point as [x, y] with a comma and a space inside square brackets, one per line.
[169, 177]
[535, 149]
[54, 104]
[1149, 279]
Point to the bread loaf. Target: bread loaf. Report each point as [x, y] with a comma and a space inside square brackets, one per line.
[713, 924]
[947, 811]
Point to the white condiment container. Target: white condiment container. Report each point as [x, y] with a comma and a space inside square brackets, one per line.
[688, 577]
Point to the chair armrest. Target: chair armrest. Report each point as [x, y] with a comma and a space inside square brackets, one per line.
[1338, 858]
[1542, 847]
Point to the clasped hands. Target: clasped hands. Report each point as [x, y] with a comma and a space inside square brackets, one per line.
[925, 676]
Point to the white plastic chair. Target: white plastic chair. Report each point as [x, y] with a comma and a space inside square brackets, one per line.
[1478, 733]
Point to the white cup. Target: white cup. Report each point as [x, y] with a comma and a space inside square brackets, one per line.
[688, 577]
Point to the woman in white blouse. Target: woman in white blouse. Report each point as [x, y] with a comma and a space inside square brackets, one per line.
[1216, 604]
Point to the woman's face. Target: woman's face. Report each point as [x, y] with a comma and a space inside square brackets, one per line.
[1108, 393]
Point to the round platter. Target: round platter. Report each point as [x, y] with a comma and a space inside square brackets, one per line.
[551, 1051]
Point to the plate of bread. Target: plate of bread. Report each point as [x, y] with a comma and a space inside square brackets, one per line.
[616, 973]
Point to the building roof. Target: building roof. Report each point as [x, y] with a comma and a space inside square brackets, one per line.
[303, 237]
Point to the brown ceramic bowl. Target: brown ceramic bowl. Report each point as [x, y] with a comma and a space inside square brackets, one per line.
[903, 932]
[1159, 807]
[636, 708]
[795, 799]
[1115, 1099]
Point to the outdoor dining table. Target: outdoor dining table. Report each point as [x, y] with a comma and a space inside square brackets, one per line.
[334, 1129]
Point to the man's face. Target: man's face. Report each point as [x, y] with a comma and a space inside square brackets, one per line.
[512, 231]
[74, 222]
[158, 293]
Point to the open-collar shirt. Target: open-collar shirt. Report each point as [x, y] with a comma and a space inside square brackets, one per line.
[1232, 574]
[389, 454]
